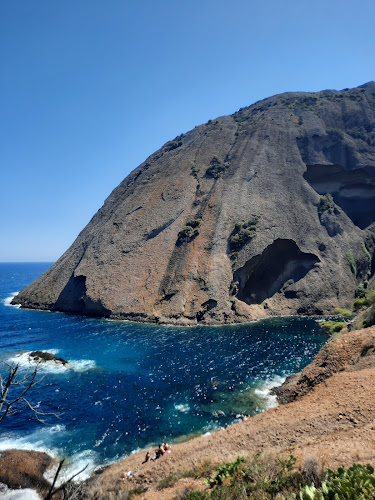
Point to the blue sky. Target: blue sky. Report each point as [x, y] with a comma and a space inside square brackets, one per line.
[90, 88]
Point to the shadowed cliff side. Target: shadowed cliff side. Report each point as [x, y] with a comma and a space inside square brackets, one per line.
[268, 211]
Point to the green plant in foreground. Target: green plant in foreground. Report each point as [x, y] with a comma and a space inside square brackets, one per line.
[226, 470]
[355, 483]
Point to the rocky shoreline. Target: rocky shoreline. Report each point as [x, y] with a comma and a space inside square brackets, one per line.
[326, 410]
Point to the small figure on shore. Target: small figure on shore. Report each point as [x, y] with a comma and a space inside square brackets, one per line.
[226, 427]
[167, 449]
[158, 453]
[245, 417]
[147, 457]
[297, 368]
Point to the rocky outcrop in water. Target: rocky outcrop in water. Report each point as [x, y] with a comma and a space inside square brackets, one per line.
[44, 357]
[268, 211]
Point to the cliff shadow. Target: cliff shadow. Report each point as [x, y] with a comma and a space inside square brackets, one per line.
[73, 298]
[264, 275]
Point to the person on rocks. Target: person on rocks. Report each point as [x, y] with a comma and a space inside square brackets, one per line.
[147, 457]
[167, 449]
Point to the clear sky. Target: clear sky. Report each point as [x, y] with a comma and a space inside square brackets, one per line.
[90, 88]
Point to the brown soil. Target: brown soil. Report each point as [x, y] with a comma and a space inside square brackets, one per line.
[334, 421]
[25, 469]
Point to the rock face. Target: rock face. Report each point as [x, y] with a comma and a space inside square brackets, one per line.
[349, 352]
[232, 222]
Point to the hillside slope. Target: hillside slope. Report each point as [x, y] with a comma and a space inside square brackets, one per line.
[226, 224]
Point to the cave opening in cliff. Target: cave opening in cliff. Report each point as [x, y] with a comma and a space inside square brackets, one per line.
[264, 275]
[352, 190]
[73, 298]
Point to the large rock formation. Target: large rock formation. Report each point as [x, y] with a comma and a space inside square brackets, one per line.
[232, 222]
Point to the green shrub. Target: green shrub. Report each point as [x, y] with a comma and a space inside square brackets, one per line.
[367, 253]
[138, 490]
[168, 481]
[194, 171]
[360, 292]
[325, 204]
[357, 482]
[345, 313]
[176, 143]
[359, 303]
[226, 470]
[189, 231]
[215, 169]
[195, 495]
[242, 233]
[351, 263]
[331, 327]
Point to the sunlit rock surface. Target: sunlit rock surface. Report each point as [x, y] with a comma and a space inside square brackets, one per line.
[265, 166]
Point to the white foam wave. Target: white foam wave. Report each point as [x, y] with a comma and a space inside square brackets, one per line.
[183, 408]
[38, 441]
[35, 441]
[77, 365]
[86, 460]
[264, 391]
[7, 301]
[26, 494]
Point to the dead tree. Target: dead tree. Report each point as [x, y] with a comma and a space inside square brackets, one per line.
[14, 387]
[53, 490]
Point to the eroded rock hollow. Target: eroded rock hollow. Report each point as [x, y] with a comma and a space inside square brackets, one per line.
[268, 211]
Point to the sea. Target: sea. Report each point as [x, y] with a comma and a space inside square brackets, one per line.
[129, 386]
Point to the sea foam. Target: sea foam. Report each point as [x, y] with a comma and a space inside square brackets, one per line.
[38, 441]
[7, 301]
[77, 365]
[264, 391]
[25, 494]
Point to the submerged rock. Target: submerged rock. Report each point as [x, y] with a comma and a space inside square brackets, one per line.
[232, 221]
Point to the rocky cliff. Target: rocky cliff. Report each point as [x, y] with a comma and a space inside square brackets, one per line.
[268, 211]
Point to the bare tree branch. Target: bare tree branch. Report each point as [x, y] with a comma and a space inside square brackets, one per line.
[54, 490]
[10, 405]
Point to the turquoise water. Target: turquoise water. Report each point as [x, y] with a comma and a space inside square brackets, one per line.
[130, 385]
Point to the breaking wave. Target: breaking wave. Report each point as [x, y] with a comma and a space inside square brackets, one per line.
[264, 391]
[7, 301]
[76, 365]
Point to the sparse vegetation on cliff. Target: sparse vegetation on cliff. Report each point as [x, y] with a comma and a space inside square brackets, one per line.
[351, 263]
[189, 231]
[268, 477]
[242, 233]
[215, 169]
[325, 204]
[176, 143]
[331, 327]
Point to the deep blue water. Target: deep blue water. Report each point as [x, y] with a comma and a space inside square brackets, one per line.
[131, 384]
